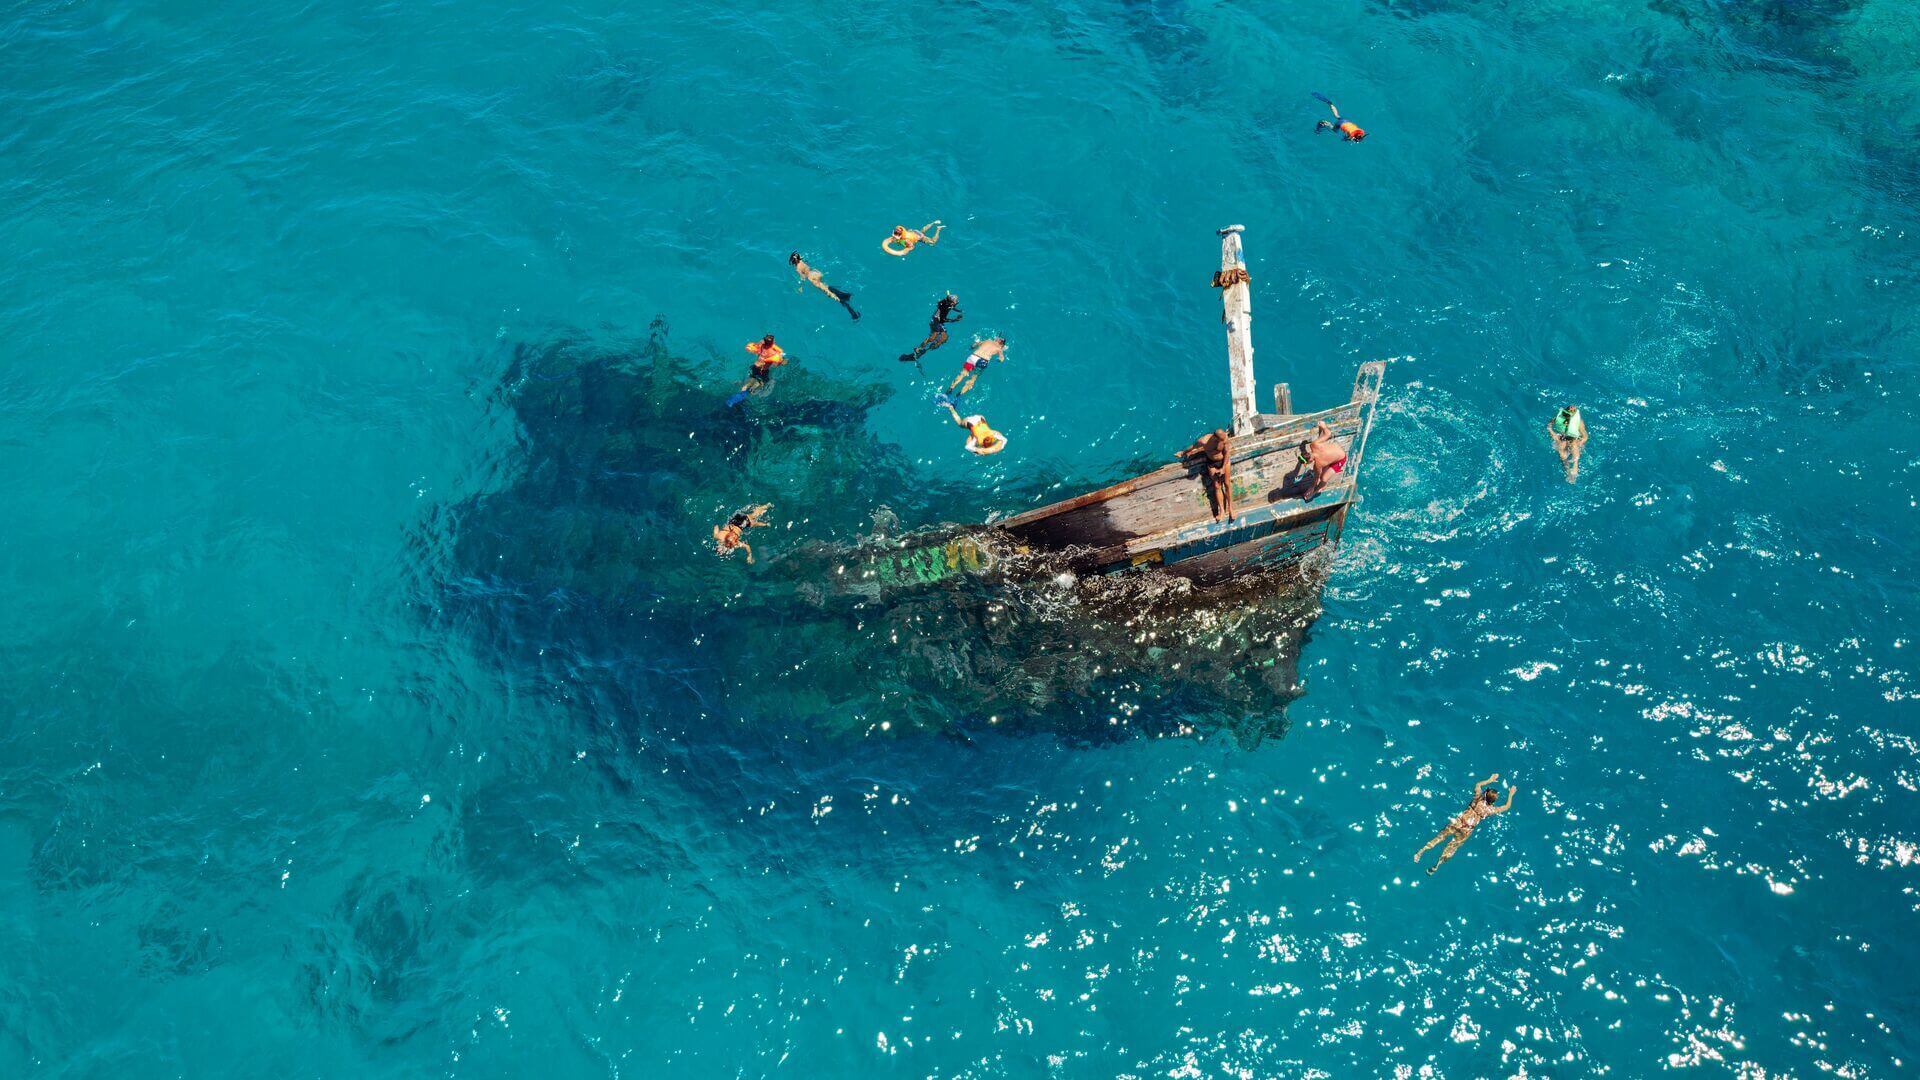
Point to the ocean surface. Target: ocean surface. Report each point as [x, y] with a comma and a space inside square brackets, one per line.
[375, 704]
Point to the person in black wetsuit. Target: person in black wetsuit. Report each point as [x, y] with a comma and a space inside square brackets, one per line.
[947, 311]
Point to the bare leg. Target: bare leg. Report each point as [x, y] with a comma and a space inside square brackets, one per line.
[971, 379]
[934, 236]
[1444, 833]
[1446, 853]
[956, 382]
[1573, 465]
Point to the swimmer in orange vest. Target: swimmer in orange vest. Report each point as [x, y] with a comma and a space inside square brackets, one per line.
[1348, 129]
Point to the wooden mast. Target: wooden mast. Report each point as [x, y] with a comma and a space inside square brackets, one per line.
[1237, 312]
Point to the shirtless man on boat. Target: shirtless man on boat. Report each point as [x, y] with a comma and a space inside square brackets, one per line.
[811, 276]
[1215, 451]
[1324, 455]
[1480, 809]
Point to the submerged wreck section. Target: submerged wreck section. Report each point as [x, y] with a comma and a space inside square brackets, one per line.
[1165, 518]
[586, 561]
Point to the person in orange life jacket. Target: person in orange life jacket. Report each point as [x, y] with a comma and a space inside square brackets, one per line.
[767, 356]
[1349, 130]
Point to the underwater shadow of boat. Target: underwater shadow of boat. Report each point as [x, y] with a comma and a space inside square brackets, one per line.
[594, 551]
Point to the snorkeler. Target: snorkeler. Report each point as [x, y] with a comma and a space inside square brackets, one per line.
[1569, 431]
[981, 439]
[1215, 451]
[1324, 455]
[809, 274]
[902, 239]
[1461, 827]
[1347, 128]
[944, 312]
[992, 348]
[728, 537]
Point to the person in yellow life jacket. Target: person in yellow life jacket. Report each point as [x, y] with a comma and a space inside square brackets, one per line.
[902, 239]
[981, 439]
[1349, 130]
[1569, 431]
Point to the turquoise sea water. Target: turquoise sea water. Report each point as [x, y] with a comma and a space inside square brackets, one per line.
[376, 707]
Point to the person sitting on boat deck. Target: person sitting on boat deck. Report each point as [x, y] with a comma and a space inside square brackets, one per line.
[944, 312]
[1324, 455]
[730, 536]
[1480, 809]
[1569, 431]
[1347, 128]
[981, 439]
[1215, 451]
[768, 356]
[809, 274]
[902, 239]
[992, 348]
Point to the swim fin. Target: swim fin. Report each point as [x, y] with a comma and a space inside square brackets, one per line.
[941, 401]
[840, 294]
[1324, 99]
[738, 397]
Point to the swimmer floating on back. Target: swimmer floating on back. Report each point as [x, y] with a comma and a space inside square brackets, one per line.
[729, 537]
[1347, 128]
[1461, 827]
[903, 239]
[992, 348]
[981, 439]
[809, 274]
[1569, 431]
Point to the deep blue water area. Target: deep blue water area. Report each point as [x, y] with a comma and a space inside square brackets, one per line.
[375, 704]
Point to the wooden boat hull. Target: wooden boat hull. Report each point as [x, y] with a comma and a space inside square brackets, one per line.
[1165, 519]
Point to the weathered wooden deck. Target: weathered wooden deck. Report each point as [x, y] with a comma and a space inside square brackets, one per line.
[1165, 518]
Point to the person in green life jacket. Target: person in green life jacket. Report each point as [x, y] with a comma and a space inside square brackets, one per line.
[1569, 431]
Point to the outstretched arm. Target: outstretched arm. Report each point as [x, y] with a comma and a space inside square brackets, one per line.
[1489, 780]
[956, 414]
[1511, 792]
